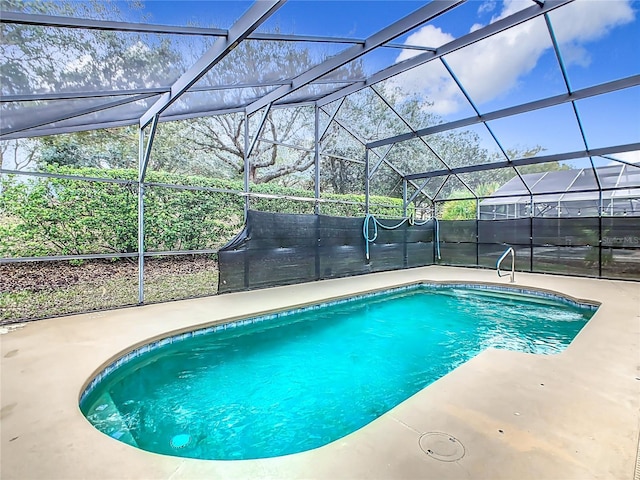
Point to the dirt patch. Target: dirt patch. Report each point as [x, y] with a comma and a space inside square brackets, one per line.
[45, 276]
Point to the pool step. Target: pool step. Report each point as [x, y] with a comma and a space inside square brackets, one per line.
[505, 295]
[111, 420]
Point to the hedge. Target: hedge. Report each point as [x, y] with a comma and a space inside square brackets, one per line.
[62, 216]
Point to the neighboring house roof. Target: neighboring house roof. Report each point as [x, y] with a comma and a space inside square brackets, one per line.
[616, 181]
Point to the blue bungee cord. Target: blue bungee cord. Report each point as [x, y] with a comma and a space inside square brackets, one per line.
[365, 231]
[417, 223]
[376, 223]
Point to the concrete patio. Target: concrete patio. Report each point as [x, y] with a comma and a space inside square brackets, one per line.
[575, 415]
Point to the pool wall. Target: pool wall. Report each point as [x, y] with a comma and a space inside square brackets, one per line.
[132, 354]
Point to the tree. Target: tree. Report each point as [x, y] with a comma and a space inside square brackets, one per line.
[465, 209]
[42, 59]
[364, 117]
[107, 148]
[221, 138]
[17, 154]
[339, 175]
[115, 148]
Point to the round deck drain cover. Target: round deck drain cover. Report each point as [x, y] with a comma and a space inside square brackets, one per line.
[441, 446]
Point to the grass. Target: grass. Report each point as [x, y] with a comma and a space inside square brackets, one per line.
[174, 287]
[112, 293]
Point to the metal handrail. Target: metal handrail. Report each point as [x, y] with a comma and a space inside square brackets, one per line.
[508, 251]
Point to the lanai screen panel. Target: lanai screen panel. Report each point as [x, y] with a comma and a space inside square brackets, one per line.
[120, 51]
[534, 111]
[527, 111]
[456, 76]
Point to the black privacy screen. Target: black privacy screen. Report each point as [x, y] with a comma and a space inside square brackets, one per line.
[283, 249]
[607, 247]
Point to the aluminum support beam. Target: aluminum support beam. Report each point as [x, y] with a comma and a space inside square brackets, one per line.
[30, 173]
[331, 117]
[57, 258]
[435, 195]
[34, 97]
[43, 132]
[537, 195]
[597, 152]
[612, 159]
[144, 153]
[419, 191]
[366, 181]
[255, 140]
[567, 82]
[283, 144]
[247, 165]
[205, 251]
[91, 24]
[420, 16]
[188, 116]
[40, 122]
[141, 153]
[603, 88]
[316, 159]
[256, 15]
[379, 164]
[404, 46]
[404, 198]
[142, 170]
[117, 26]
[461, 42]
[475, 109]
[340, 157]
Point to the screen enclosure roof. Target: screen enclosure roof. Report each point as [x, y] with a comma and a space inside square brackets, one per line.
[560, 74]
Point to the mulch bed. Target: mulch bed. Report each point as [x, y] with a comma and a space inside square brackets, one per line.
[39, 276]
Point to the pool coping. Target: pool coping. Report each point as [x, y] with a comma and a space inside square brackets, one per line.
[583, 423]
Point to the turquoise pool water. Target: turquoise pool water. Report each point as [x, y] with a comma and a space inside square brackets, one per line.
[299, 381]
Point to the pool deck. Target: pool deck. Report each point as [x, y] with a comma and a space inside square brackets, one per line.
[575, 415]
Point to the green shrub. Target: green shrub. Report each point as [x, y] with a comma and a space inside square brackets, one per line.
[62, 216]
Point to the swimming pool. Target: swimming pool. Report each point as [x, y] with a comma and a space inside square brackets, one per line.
[294, 381]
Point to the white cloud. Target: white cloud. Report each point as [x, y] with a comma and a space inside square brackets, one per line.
[630, 157]
[509, 7]
[427, 36]
[440, 89]
[589, 20]
[585, 21]
[494, 66]
[487, 6]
